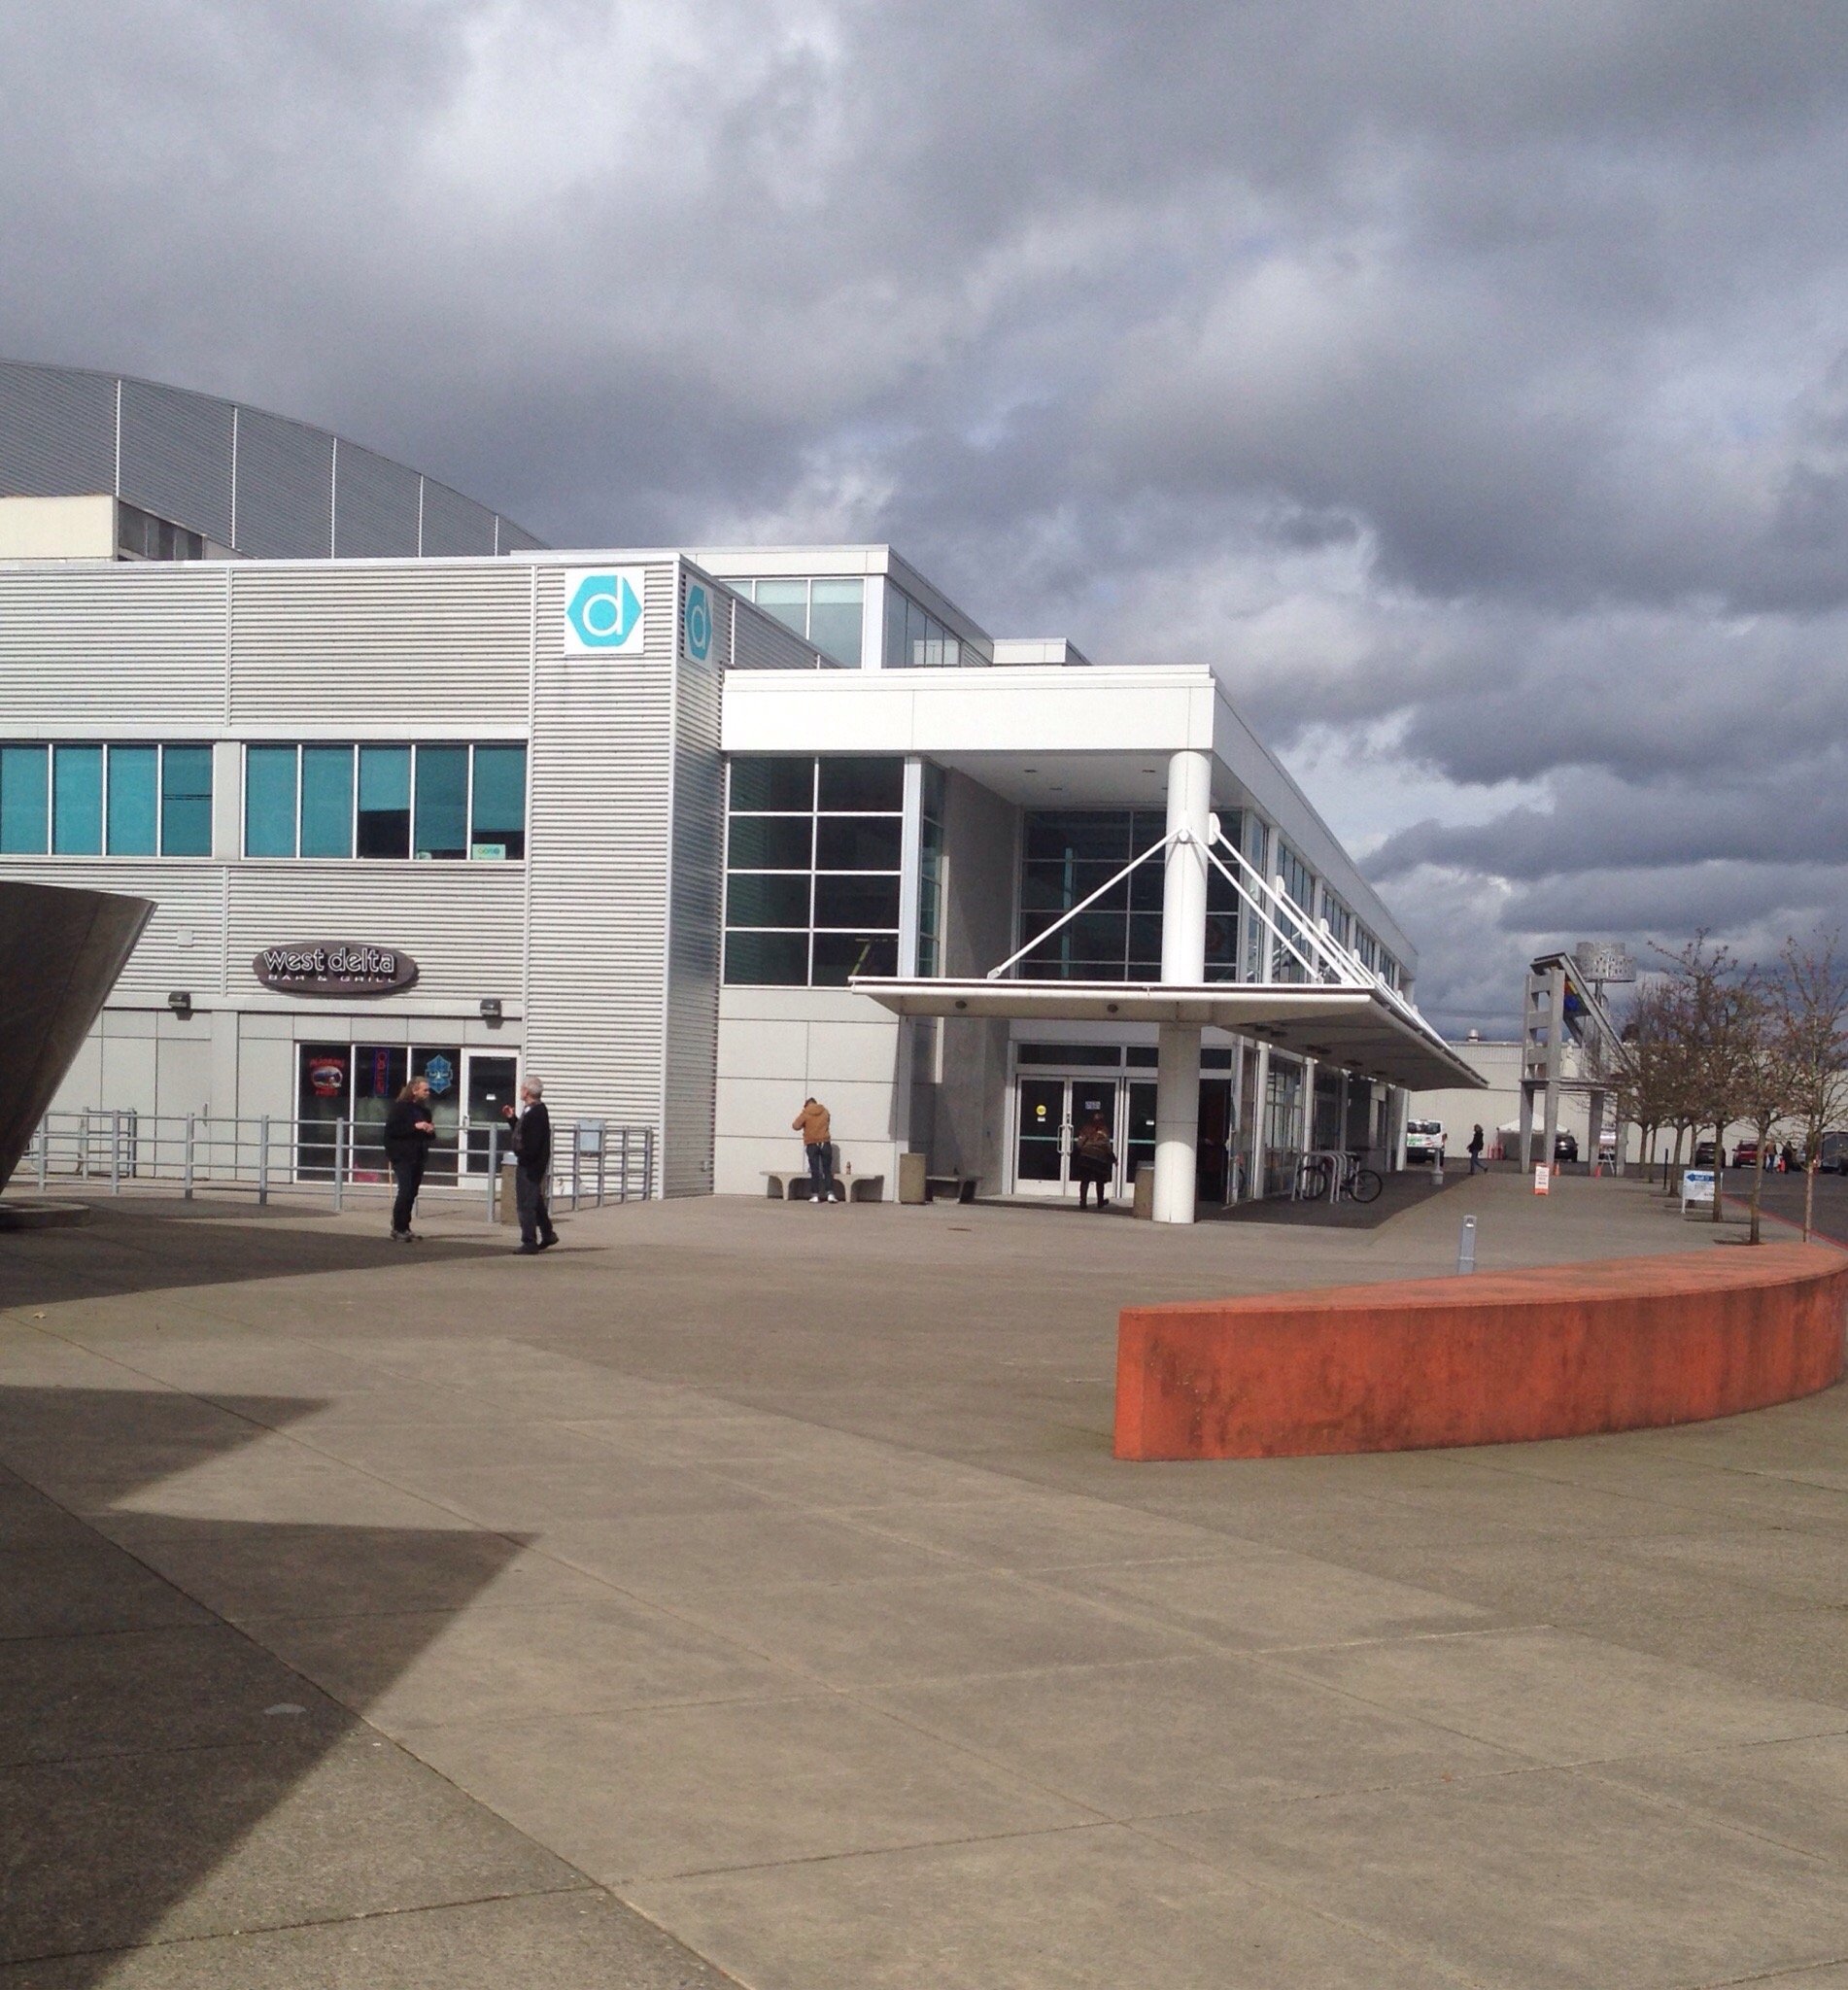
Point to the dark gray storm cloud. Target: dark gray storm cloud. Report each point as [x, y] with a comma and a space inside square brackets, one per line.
[1467, 381]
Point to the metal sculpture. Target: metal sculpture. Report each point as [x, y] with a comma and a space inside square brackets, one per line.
[60, 954]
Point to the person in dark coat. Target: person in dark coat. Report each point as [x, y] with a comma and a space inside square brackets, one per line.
[1093, 1160]
[1476, 1151]
[533, 1146]
[409, 1129]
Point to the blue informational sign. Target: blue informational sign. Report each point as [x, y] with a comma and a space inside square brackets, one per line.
[604, 611]
[699, 621]
[440, 1073]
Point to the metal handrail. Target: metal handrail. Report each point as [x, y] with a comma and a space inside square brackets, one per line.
[594, 1162]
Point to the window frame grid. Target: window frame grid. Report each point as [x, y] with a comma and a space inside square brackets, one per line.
[48, 749]
[414, 748]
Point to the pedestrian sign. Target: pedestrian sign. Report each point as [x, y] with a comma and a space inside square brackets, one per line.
[1696, 1188]
[1542, 1178]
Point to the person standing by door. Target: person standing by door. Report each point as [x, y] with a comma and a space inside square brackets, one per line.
[409, 1128]
[532, 1149]
[815, 1126]
[1093, 1160]
[1476, 1151]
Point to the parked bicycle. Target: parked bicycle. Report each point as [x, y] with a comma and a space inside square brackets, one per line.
[1335, 1175]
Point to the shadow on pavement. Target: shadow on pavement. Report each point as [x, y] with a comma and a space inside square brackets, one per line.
[144, 1739]
[1399, 1193]
[121, 1250]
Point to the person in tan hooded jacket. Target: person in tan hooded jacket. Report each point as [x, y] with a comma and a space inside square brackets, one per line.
[813, 1124]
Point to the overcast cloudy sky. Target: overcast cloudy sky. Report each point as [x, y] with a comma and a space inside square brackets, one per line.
[1467, 380]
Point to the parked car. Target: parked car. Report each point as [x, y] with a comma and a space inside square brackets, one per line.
[1746, 1155]
[1834, 1158]
[1424, 1143]
[1565, 1146]
[1703, 1154]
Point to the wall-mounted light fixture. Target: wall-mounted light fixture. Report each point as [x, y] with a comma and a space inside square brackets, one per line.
[491, 1011]
[181, 1003]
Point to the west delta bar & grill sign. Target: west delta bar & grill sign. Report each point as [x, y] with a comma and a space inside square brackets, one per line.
[334, 968]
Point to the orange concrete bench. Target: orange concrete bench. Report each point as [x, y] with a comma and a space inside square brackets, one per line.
[1498, 1357]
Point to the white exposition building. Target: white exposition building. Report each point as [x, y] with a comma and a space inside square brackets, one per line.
[693, 833]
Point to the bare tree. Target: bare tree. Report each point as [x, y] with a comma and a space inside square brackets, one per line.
[1652, 1064]
[1809, 1000]
[1767, 1083]
[1716, 1011]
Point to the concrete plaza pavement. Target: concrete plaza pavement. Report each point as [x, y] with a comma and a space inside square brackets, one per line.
[745, 1592]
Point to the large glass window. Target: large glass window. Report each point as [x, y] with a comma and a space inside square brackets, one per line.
[1298, 884]
[384, 800]
[929, 871]
[322, 801]
[824, 612]
[134, 801]
[497, 828]
[442, 802]
[77, 801]
[813, 862]
[916, 641]
[326, 800]
[24, 798]
[269, 802]
[186, 801]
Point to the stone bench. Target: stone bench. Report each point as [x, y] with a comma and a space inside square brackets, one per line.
[1495, 1358]
[781, 1185]
[955, 1187]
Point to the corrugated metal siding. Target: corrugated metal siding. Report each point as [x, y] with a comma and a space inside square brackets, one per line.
[514, 539]
[374, 506]
[284, 487]
[136, 649]
[57, 431]
[454, 524]
[187, 902]
[690, 1086]
[459, 922]
[763, 643]
[437, 652]
[176, 457]
[598, 854]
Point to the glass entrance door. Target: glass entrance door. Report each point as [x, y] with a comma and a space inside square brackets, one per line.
[1048, 1111]
[1045, 1133]
[489, 1084]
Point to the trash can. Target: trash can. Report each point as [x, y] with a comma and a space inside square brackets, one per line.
[1143, 1203]
[913, 1169]
[506, 1202]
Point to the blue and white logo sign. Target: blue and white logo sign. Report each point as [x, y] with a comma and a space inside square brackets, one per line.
[699, 620]
[603, 612]
[441, 1074]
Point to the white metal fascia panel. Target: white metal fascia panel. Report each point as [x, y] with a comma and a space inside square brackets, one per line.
[599, 830]
[967, 712]
[460, 922]
[113, 648]
[428, 649]
[182, 947]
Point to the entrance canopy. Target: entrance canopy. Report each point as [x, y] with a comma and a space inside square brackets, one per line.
[1360, 1028]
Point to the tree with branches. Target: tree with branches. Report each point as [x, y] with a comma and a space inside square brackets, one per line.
[1809, 1009]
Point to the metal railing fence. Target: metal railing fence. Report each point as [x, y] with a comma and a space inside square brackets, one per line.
[593, 1162]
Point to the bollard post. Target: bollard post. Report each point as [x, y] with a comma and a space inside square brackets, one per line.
[603, 1154]
[114, 1153]
[1466, 1246]
[493, 1168]
[622, 1168]
[45, 1141]
[577, 1164]
[263, 1161]
[191, 1137]
[340, 1165]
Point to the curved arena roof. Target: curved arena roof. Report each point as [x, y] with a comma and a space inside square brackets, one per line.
[254, 483]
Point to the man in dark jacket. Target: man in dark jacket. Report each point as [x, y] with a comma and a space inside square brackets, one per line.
[533, 1146]
[409, 1129]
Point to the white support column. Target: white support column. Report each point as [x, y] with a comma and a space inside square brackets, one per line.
[1184, 960]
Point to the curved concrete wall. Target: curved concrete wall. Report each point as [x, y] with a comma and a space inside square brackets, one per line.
[1503, 1357]
[61, 952]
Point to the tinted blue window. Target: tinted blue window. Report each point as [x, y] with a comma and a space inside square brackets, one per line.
[269, 802]
[384, 800]
[185, 801]
[23, 799]
[77, 801]
[442, 802]
[134, 801]
[499, 803]
[326, 800]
